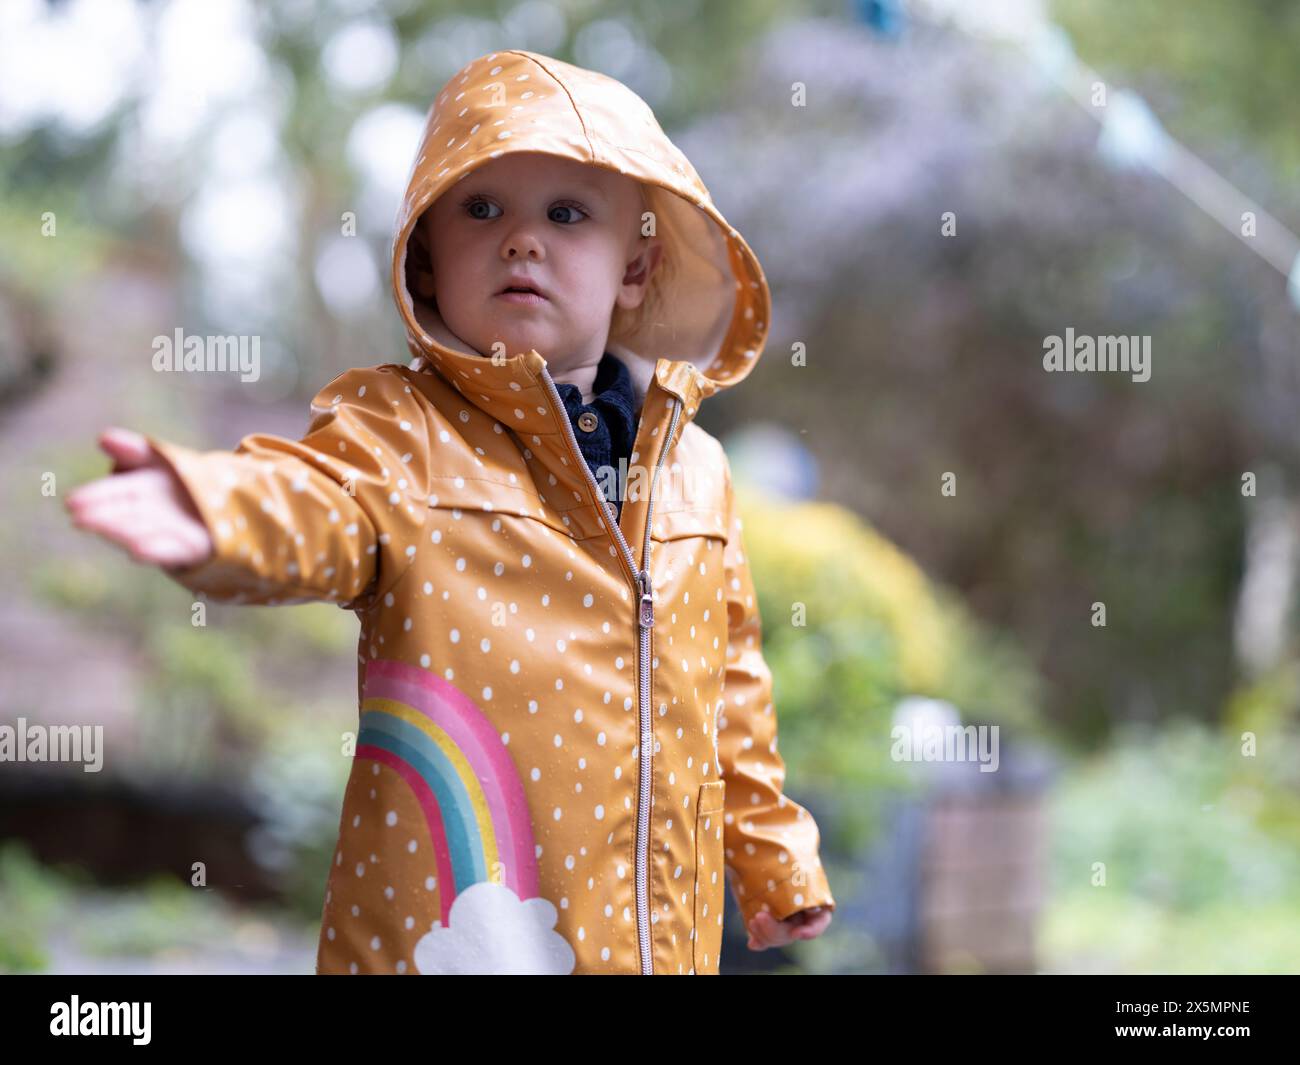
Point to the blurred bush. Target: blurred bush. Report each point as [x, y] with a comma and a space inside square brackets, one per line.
[1196, 842]
[56, 919]
[875, 629]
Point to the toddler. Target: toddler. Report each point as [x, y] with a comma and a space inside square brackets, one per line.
[566, 733]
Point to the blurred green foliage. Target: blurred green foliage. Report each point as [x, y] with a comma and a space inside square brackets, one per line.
[43, 264]
[1197, 840]
[297, 781]
[875, 630]
[32, 897]
[1221, 73]
[51, 917]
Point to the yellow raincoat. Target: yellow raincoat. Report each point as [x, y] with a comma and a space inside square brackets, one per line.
[566, 724]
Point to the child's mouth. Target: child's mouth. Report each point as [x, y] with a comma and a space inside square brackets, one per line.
[525, 296]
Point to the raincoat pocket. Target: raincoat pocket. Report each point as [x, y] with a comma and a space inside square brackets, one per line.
[710, 877]
[683, 523]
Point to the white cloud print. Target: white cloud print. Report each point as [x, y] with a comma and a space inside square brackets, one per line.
[490, 931]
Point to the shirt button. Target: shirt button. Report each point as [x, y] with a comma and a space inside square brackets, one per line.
[587, 421]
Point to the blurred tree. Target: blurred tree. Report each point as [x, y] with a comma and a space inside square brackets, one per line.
[933, 215]
[1224, 77]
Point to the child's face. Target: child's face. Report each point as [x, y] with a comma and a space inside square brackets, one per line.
[573, 230]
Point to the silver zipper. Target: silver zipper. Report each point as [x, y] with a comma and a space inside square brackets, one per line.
[646, 621]
[645, 626]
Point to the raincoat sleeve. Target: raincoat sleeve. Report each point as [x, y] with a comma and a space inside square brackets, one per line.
[334, 516]
[771, 842]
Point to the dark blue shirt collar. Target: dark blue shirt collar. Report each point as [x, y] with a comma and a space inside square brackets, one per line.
[615, 406]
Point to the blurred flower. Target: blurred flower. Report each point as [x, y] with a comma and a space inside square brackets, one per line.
[775, 459]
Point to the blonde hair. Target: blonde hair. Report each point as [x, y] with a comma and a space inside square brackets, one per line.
[627, 323]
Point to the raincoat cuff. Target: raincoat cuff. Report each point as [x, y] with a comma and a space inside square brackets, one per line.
[801, 890]
[223, 576]
[183, 463]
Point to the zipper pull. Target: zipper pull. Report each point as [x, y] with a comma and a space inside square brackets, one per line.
[647, 618]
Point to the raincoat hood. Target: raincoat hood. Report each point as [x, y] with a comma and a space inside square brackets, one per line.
[716, 296]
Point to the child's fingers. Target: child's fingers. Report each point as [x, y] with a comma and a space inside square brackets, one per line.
[152, 543]
[97, 498]
[114, 521]
[141, 487]
[764, 931]
[117, 507]
[114, 486]
[808, 930]
[127, 448]
[168, 549]
[813, 924]
[142, 524]
[192, 548]
[193, 543]
[132, 523]
[170, 538]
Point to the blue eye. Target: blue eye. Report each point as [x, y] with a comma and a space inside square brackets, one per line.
[567, 207]
[476, 201]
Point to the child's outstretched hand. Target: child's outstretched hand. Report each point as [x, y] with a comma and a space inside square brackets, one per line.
[141, 506]
[766, 931]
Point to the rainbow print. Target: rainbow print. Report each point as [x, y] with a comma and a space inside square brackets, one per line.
[452, 758]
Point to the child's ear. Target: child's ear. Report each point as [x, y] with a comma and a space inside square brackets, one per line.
[420, 261]
[636, 278]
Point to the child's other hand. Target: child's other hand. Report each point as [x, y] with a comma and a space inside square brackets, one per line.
[766, 931]
[141, 506]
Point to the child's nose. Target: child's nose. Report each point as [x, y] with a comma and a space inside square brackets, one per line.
[523, 242]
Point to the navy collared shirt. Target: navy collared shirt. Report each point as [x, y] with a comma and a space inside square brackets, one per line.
[614, 407]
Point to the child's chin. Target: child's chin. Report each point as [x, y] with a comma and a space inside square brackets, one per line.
[527, 340]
